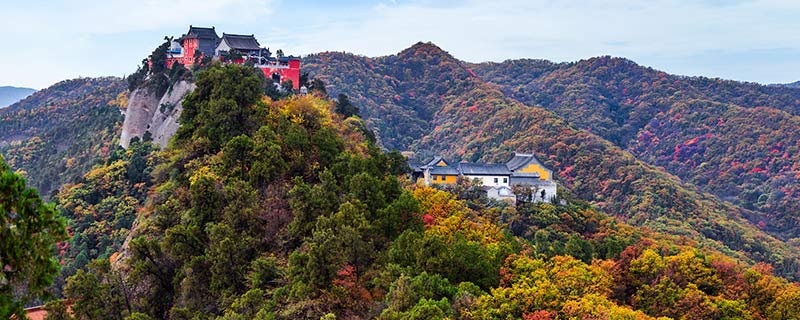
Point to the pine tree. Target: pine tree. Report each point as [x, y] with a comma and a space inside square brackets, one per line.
[29, 230]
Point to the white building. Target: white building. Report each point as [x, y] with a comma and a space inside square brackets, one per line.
[497, 179]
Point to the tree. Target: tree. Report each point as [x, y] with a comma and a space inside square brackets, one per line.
[304, 79]
[57, 310]
[29, 230]
[318, 85]
[222, 106]
[237, 155]
[345, 107]
[287, 87]
[99, 292]
[337, 240]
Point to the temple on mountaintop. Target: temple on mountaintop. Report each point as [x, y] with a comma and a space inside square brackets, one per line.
[200, 42]
[496, 179]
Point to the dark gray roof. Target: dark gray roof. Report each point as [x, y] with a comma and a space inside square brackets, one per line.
[202, 33]
[520, 160]
[474, 169]
[526, 174]
[241, 42]
[444, 170]
[208, 40]
[434, 161]
[515, 180]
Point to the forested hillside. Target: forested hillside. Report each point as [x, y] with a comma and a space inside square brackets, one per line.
[284, 209]
[55, 135]
[474, 120]
[271, 205]
[732, 139]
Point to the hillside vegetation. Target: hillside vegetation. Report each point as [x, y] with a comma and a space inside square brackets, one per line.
[283, 209]
[271, 205]
[56, 135]
[475, 120]
[735, 140]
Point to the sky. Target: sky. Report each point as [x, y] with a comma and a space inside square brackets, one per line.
[47, 41]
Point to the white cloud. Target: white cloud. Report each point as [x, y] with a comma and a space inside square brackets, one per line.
[574, 27]
[568, 30]
[116, 16]
[679, 36]
[66, 39]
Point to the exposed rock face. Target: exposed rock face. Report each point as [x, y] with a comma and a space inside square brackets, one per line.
[148, 112]
[141, 106]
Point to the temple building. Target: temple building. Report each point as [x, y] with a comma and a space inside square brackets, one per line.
[201, 42]
[496, 179]
[244, 44]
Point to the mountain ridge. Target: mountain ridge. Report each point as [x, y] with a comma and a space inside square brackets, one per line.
[620, 101]
[468, 119]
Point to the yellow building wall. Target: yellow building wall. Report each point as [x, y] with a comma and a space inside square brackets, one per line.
[531, 168]
[441, 164]
[447, 179]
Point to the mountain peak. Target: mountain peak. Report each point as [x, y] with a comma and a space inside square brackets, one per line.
[424, 47]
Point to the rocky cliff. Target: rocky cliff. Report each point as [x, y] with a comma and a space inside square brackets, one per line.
[149, 112]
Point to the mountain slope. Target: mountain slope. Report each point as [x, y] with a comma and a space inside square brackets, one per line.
[282, 209]
[473, 120]
[625, 103]
[10, 95]
[56, 134]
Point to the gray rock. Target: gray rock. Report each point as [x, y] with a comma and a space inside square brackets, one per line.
[148, 112]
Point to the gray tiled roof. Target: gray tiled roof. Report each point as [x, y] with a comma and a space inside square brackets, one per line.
[435, 160]
[241, 42]
[202, 33]
[447, 170]
[207, 39]
[521, 159]
[494, 169]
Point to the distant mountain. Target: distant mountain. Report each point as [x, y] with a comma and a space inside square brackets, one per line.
[426, 101]
[56, 134]
[10, 95]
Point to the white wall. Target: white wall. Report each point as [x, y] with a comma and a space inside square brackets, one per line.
[550, 191]
[489, 180]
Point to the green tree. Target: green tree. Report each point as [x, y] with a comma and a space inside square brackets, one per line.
[338, 240]
[99, 292]
[29, 230]
[222, 106]
[57, 310]
[237, 155]
[345, 107]
[318, 86]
